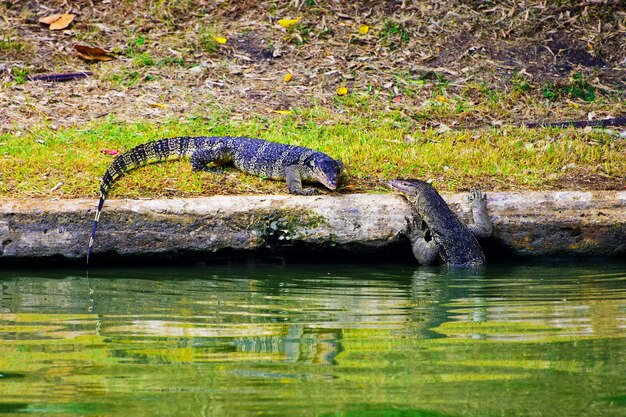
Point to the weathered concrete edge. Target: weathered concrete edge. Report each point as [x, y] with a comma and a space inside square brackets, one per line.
[564, 223]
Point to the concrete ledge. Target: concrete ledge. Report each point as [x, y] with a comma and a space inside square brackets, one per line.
[526, 224]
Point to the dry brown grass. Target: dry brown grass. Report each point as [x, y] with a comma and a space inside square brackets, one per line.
[462, 50]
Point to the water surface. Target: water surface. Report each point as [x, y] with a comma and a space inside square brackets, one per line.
[338, 340]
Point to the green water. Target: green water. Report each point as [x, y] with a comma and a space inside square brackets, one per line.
[338, 340]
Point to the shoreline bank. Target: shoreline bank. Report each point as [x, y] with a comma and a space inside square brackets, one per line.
[527, 224]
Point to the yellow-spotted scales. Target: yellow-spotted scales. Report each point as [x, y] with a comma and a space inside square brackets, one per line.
[294, 164]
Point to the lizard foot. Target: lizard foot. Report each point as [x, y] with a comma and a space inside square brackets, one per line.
[306, 191]
[418, 229]
[476, 194]
[214, 170]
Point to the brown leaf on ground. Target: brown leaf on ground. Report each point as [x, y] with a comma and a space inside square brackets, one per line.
[49, 19]
[93, 54]
[58, 21]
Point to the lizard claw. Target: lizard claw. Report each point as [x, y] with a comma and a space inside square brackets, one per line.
[307, 191]
[415, 228]
[214, 170]
[476, 194]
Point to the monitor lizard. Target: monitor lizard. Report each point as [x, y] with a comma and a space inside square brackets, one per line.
[293, 164]
[436, 230]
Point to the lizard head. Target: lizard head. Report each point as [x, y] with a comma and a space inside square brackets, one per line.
[408, 186]
[326, 170]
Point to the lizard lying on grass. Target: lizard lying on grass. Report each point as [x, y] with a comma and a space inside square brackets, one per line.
[294, 164]
[438, 231]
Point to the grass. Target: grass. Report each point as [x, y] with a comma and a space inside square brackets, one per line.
[8, 43]
[394, 34]
[20, 74]
[206, 40]
[373, 147]
[576, 88]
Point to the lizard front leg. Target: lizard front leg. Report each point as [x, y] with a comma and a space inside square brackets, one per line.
[483, 226]
[293, 176]
[425, 251]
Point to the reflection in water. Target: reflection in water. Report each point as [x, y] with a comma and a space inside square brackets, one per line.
[299, 344]
[322, 340]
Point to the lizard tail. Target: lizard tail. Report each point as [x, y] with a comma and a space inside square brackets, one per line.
[95, 223]
[170, 148]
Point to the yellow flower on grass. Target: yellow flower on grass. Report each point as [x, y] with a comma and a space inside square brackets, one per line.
[219, 40]
[342, 91]
[287, 23]
[364, 29]
[288, 77]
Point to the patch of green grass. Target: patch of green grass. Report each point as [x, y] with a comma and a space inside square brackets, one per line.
[394, 34]
[20, 74]
[8, 44]
[373, 147]
[520, 84]
[146, 60]
[489, 92]
[327, 34]
[135, 45]
[299, 34]
[407, 78]
[143, 60]
[550, 91]
[576, 88]
[171, 60]
[206, 40]
[126, 78]
[581, 89]
[356, 100]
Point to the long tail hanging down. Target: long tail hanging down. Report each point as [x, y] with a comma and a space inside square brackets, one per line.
[139, 155]
[123, 163]
[95, 223]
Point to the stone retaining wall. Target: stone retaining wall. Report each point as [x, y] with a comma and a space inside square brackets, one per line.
[575, 224]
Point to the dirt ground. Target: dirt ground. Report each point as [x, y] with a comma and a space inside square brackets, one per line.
[170, 61]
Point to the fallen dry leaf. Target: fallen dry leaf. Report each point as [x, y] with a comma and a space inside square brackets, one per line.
[93, 54]
[160, 105]
[109, 151]
[63, 22]
[281, 111]
[58, 21]
[49, 19]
